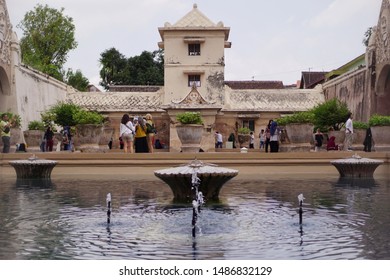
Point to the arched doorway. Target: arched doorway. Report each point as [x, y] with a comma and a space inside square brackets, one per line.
[383, 91]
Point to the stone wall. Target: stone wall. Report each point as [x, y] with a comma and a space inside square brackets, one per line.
[352, 89]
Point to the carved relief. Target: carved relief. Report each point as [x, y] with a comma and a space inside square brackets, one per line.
[193, 98]
[5, 34]
[383, 33]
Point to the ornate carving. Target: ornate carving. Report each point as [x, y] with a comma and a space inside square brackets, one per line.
[5, 34]
[383, 33]
[193, 98]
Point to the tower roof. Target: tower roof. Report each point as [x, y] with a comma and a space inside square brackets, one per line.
[194, 20]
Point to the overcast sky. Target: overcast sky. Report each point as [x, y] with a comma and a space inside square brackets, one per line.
[271, 40]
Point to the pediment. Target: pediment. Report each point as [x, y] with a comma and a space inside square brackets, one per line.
[193, 98]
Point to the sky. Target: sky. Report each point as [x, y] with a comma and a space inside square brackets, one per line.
[271, 40]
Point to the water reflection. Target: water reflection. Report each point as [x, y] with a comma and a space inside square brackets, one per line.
[256, 219]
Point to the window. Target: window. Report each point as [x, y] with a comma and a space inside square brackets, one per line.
[193, 49]
[194, 80]
[249, 124]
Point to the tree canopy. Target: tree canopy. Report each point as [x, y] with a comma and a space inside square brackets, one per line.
[144, 69]
[48, 36]
[77, 80]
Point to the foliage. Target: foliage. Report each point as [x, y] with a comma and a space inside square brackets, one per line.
[145, 69]
[48, 36]
[13, 118]
[298, 117]
[77, 80]
[36, 125]
[66, 114]
[330, 114]
[189, 118]
[378, 120]
[88, 117]
[244, 130]
[360, 125]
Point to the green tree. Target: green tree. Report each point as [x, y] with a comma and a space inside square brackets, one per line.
[330, 114]
[48, 36]
[77, 80]
[145, 69]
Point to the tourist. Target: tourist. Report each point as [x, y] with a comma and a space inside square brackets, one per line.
[274, 137]
[126, 132]
[368, 140]
[49, 134]
[65, 141]
[348, 133]
[218, 140]
[318, 139]
[331, 145]
[232, 139]
[141, 142]
[262, 139]
[151, 131]
[251, 140]
[5, 126]
[268, 135]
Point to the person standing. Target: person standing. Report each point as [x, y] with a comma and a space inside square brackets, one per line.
[126, 133]
[262, 139]
[348, 133]
[274, 139]
[49, 134]
[368, 141]
[218, 140]
[151, 131]
[5, 126]
[251, 140]
[319, 138]
[141, 142]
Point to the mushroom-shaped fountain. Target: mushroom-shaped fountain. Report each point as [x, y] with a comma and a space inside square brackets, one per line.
[33, 168]
[356, 167]
[212, 178]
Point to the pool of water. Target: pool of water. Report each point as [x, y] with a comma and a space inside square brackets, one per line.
[256, 218]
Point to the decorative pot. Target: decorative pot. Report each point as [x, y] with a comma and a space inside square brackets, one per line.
[190, 136]
[87, 137]
[300, 133]
[243, 140]
[107, 134]
[381, 138]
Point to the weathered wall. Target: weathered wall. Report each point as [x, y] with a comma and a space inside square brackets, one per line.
[352, 89]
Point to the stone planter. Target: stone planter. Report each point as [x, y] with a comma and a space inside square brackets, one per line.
[33, 140]
[243, 140]
[381, 138]
[16, 138]
[190, 136]
[300, 136]
[358, 138]
[87, 137]
[107, 134]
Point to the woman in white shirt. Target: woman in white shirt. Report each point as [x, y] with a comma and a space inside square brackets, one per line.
[126, 132]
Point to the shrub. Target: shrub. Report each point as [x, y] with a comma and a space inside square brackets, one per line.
[36, 125]
[65, 114]
[244, 130]
[189, 118]
[88, 117]
[378, 120]
[330, 114]
[360, 125]
[299, 117]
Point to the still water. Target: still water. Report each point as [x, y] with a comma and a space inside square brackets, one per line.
[254, 219]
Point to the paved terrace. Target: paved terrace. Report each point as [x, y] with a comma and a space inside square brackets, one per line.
[249, 164]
